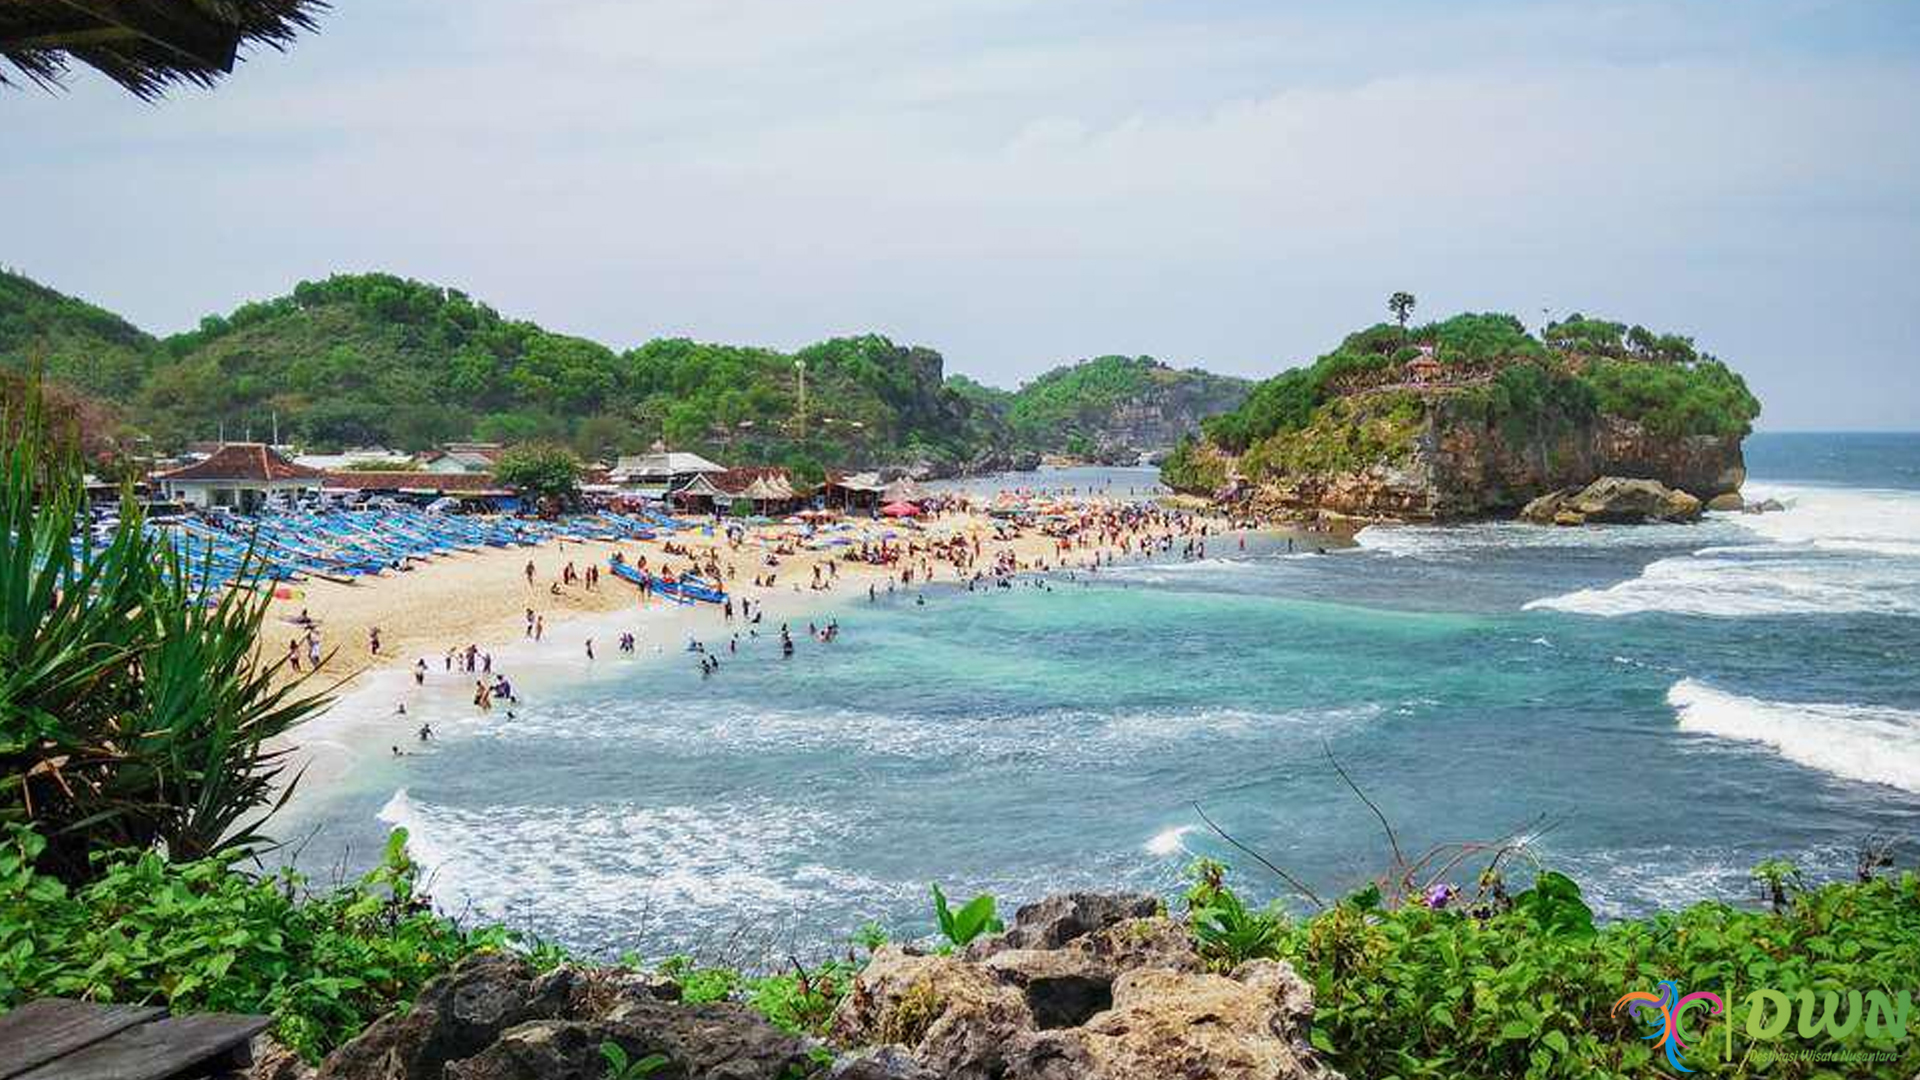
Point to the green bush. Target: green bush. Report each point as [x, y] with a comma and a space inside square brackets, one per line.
[801, 1001]
[134, 710]
[1707, 398]
[202, 936]
[1511, 379]
[1192, 468]
[1527, 988]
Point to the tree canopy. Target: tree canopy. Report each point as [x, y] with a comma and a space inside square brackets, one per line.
[1579, 365]
[375, 359]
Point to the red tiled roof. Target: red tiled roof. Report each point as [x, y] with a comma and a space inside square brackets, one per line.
[361, 480]
[243, 461]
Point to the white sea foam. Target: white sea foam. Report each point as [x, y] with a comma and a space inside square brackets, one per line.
[1055, 737]
[1860, 742]
[1459, 543]
[1169, 841]
[1833, 550]
[620, 860]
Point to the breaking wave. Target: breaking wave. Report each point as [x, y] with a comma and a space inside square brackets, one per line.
[1832, 550]
[1873, 743]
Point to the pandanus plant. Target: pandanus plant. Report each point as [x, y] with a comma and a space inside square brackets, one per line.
[135, 711]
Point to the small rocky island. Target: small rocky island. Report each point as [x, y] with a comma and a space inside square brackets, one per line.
[1476, 417]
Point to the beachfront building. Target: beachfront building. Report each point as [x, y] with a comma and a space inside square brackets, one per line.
[361, 457]
[767, 491]
[853, 491]
[663, 473]
[416, 486]
[242, 476]
[456, 458]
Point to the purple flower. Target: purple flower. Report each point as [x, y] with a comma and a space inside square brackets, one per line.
[1439, 896]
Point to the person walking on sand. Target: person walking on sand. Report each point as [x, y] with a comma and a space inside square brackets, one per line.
[539, 627]
[529, 573]
[373, 640]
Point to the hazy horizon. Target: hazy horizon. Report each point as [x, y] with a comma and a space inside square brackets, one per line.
[1220, 184]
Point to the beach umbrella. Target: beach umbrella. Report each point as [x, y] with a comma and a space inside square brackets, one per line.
[900, 510]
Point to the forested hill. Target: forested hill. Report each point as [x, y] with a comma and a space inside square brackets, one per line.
[1116, 406]
[72, 341]
[375, 359]
[368, 359]
[1475, 415]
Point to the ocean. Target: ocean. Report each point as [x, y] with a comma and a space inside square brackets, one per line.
[1658, 708]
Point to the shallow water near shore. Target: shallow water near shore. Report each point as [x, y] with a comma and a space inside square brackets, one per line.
[1672, 703]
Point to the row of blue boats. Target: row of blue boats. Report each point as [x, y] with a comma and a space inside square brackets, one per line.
[340, 545]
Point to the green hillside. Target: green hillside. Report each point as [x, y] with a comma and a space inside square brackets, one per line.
[1358, 404]
[364, 359]
[72, 341]
[377, 359]
[1132, 401]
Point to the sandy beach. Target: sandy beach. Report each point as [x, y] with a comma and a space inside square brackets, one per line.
[432, 614]
[482, 597]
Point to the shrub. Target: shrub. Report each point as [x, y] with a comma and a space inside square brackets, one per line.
[134, 711]
[540, 472]
[201, 936]
[1527, 989]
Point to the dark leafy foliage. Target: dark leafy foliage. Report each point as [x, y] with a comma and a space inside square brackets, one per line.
[203, 936]
[1527, 989]
[70, 341]
[1582, 367]
[549, 473]
[1080, 399]
[134, 711]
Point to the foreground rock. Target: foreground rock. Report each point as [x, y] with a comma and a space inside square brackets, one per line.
[1613, 500]
[495, 1018]
[1084, 987]
[1081, 987]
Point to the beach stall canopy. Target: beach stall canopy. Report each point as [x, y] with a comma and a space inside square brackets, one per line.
[900, 510]
[701, 494]
[854, 490]
[147, 46]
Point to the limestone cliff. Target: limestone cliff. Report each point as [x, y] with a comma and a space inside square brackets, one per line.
[1438, 456]
[1475, 416]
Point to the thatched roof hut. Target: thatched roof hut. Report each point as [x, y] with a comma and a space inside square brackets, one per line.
[146, 46]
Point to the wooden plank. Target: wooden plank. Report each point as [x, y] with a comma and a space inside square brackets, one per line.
[180, 1045]
[42, 1030]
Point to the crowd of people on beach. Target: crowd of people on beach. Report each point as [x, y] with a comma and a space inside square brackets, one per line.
[1072, 536]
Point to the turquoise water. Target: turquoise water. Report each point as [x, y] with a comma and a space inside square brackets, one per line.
[1665, 705]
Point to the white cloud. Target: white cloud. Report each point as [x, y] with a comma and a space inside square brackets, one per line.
[1020, 182]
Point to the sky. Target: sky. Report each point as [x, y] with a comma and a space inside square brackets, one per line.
[1021, 183]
